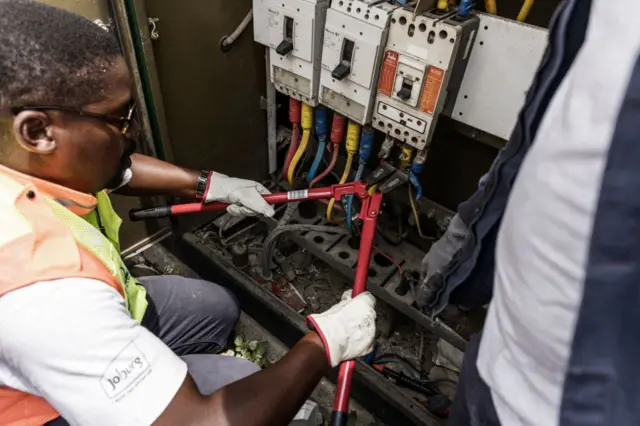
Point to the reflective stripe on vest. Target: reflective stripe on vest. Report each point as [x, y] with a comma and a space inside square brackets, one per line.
[46, 241]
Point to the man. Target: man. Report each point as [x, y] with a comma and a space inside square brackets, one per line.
[72, 347]
[558, 211]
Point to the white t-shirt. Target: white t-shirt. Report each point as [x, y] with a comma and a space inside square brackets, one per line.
[542, 247]
[73, 342]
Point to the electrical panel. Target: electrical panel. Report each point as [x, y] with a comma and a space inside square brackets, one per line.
[354, 38]
[423, 65]
[292, 29]
[261, 21]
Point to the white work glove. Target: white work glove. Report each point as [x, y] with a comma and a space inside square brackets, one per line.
[245, 196]
[348, 328]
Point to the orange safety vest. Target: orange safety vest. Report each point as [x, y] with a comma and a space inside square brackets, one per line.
[39, 243]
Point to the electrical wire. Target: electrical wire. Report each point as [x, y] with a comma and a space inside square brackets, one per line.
[389, 258]
[391, 358]
[349, 207]
[306, 122]
[227, 41]
[491, 7]
[343, 179]
[321, 132]
[322, 146]
[416, 216]
[269, 243]
[293, 147]
[465, 8]
[332, 164]
[306, 157]
[294, 161]
[367, 140]
[524, 10]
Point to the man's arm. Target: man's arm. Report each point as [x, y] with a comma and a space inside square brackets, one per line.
[151, 176]
[156, 177]
[272, 396]
[126, 375]
[269, 397]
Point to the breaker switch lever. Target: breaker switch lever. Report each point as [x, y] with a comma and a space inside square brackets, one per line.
[341, 71]
[346, 57]
[405, 91]
[285, 47]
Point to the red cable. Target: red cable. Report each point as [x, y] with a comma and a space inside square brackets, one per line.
[293, 147]
[324, 174]
[389, 258]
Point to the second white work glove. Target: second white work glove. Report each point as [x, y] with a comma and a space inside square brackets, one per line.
[245, 196]
[348, 328]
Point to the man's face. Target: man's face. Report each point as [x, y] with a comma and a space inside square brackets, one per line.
[84, 153]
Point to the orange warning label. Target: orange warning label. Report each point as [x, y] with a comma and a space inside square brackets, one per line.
[431, 90]
[388, 73]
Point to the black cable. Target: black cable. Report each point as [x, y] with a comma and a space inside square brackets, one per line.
[382, 359]
[269, 243]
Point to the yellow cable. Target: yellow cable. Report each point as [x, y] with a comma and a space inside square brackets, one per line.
[343, 179]
[372, 189]
[443, 4]
[524, 10]
[416, 216]
[353, 138]
[298, 155]
[491, 6]
[306, 123]
[405, 156]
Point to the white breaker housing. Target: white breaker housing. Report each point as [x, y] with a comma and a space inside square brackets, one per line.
[354, 38]
[423, 65]
[292, 29]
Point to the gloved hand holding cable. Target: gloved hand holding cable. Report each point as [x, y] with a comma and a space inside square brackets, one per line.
[348, 328]
[245, 196]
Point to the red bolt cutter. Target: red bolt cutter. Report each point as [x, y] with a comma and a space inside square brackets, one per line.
[369, 216]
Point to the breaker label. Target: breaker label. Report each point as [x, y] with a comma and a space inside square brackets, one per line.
[431, 90]
[297, 195]
[388, 73]
[332, 39]
[274, 18]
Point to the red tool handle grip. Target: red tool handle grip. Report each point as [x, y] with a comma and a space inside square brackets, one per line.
[279, 198]
[369, 214]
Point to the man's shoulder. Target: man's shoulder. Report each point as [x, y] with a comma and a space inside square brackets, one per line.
[14, 224]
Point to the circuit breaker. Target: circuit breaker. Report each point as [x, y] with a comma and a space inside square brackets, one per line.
[293, 30]
[423, 65]
[354, 38]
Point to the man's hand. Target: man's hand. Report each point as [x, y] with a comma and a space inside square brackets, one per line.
[347, 329]
[245, 196]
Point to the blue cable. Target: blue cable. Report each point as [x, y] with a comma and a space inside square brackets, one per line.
[465, 8]
[322, 145]
[366, 147]
[349, 210]
[321, 131]
[414, 174]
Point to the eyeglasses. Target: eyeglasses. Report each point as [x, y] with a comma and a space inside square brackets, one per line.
[122, 123]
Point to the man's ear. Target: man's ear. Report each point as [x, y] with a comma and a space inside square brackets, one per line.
[34, 132]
